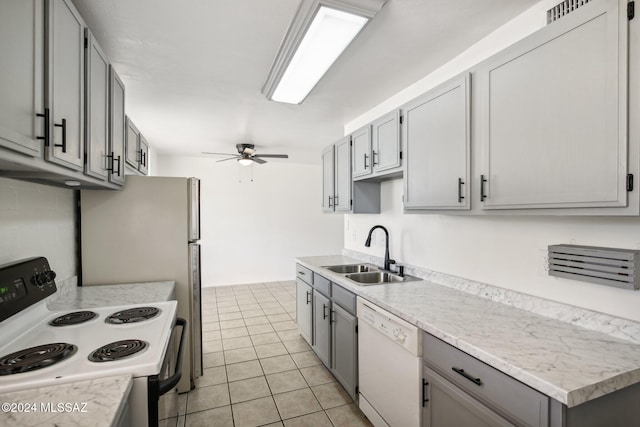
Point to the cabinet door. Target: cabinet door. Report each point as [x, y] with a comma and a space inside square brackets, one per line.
[65, 84]
[445, 405]
[304, 310]
[116, 129]
[328, 173]
[385, 137]
[21, 75]
[554, 111]
[361, 141]
[132, 144]
[143, 155]
[342, 184]
[437, 147]
[321, 327]
[97, 109]
[344, 344]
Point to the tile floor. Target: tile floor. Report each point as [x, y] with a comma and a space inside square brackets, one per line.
[258, 370]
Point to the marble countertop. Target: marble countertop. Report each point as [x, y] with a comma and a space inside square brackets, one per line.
[569, 363]
[112, 295]
[99, 402]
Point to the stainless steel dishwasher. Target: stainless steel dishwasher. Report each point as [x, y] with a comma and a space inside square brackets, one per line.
[390, 360]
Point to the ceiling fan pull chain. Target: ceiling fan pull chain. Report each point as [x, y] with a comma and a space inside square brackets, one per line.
[251, 172]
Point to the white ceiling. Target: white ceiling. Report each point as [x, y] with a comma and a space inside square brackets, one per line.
[194, 69]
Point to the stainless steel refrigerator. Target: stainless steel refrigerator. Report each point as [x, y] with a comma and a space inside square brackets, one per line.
[148, 232]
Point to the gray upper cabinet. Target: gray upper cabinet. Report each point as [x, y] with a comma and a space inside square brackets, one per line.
[554, 115]
[64, 92]
[143, 156]
[342, 184]
[116, 129]
[361, 159]
[436, 140]
[328, 177]
[322, 327]
[385, 141]
[131, 144]
[97, 109]
[22, 111]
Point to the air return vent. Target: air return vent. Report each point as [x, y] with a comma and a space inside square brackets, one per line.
[605, 266]
[564, 8]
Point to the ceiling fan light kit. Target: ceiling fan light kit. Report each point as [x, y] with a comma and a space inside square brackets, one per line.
[320, 31]
[247, 155]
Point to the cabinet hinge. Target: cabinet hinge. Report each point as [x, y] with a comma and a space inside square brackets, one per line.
[401, 155]
[630, 182]
[351, 202]
[86, 42]
[85, 158]
[401, 119]
[631, 10]
[350, 141]
[356, 329]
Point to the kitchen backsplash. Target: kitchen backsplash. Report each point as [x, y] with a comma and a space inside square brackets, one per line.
[615, 326]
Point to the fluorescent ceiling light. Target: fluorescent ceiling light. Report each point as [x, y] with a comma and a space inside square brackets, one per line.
[320, 32]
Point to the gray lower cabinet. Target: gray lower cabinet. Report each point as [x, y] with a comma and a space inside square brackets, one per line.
[304, 310]
[322, 327]
[344, 348]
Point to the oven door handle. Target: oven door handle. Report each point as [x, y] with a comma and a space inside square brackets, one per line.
[169, 383]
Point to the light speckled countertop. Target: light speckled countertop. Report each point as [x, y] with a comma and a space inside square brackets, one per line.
[111, 295]
[569, 363]
[96, 403]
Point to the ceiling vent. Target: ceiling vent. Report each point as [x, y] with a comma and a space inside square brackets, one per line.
[604, 266]
[564, 8]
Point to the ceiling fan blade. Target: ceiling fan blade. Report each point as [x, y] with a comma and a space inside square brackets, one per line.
[258, 161]
[273, 156]
[219, 154]
[230, 158]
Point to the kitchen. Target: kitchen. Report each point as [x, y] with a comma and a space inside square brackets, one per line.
[507, 251]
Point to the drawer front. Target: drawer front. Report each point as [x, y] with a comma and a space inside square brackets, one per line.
[513, 399]
[322, 285]
[304, 274]
[343, 298]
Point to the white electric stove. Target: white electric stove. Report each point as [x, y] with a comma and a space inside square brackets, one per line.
[40, 347]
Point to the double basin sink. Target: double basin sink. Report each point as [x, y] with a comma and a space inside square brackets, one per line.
[365, 274]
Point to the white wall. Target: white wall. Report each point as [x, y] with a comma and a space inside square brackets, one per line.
[499, 250]
[37, 220]
[251, 231]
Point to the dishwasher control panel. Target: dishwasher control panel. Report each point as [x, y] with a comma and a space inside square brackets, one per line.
[394, 328]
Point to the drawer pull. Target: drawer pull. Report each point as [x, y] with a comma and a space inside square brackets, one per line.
[308, 297]
[324, 311]
[460, 371]
[302, 273]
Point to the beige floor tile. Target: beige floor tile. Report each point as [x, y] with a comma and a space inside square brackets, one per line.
[286, 381]
[289, 335]
[218, 417]
[182, 403]
[239, 355]
[297, 346]
[282, 363]
[230, 324]
[245, 307]
[278, 317]
[253, 313]
[256, 320]
[211, 335]
[305, 359]
[259, 329]
[168, 422]
[244, 370]
[255, 412]
[210, 360]
[278, 424]
[269, 304]
[274, 310]
[230, 316]
[295, 403]
[208, 318]
[211, 346]
[331, 395]
[212, 326]
[316, 375]
[348, 416]
[227, 302]
[268, 338]
[284, 326]
[234, 343]
[317, 419]
[249, 389]
[228, 309]
[212, 376]
[270, 350]
[210, 397]
[234, 332]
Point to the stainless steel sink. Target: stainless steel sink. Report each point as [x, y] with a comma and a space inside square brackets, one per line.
[350, 268]
[378, 278]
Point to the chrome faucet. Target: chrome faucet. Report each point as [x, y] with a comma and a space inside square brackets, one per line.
[387, 261]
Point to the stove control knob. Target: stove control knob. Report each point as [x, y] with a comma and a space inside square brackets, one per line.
[41, 279]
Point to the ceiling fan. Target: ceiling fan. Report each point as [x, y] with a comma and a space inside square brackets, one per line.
[247, 155]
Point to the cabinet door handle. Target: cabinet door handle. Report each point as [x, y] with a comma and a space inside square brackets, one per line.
[460, 184]
[144, 159]
[112, 168]
[373, 157]
[425, 384]
[62, 125]
[471, 378]
[324, 311]
[308, 297]
[335, 200]
[365, 160]
[483, 181]
[332, 316]
[139, 160]
[47, 121]
[330, 198]
[118, 166]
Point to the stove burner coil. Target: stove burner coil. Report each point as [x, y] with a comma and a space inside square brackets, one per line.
[73, 318]
[133, 315]
[117, 350]
[34, 358]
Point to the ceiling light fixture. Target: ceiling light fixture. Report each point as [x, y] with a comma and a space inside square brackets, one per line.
[321, 30]
[245, 161]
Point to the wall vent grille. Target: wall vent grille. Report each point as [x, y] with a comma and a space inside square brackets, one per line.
[564, 8]
[604, 266]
